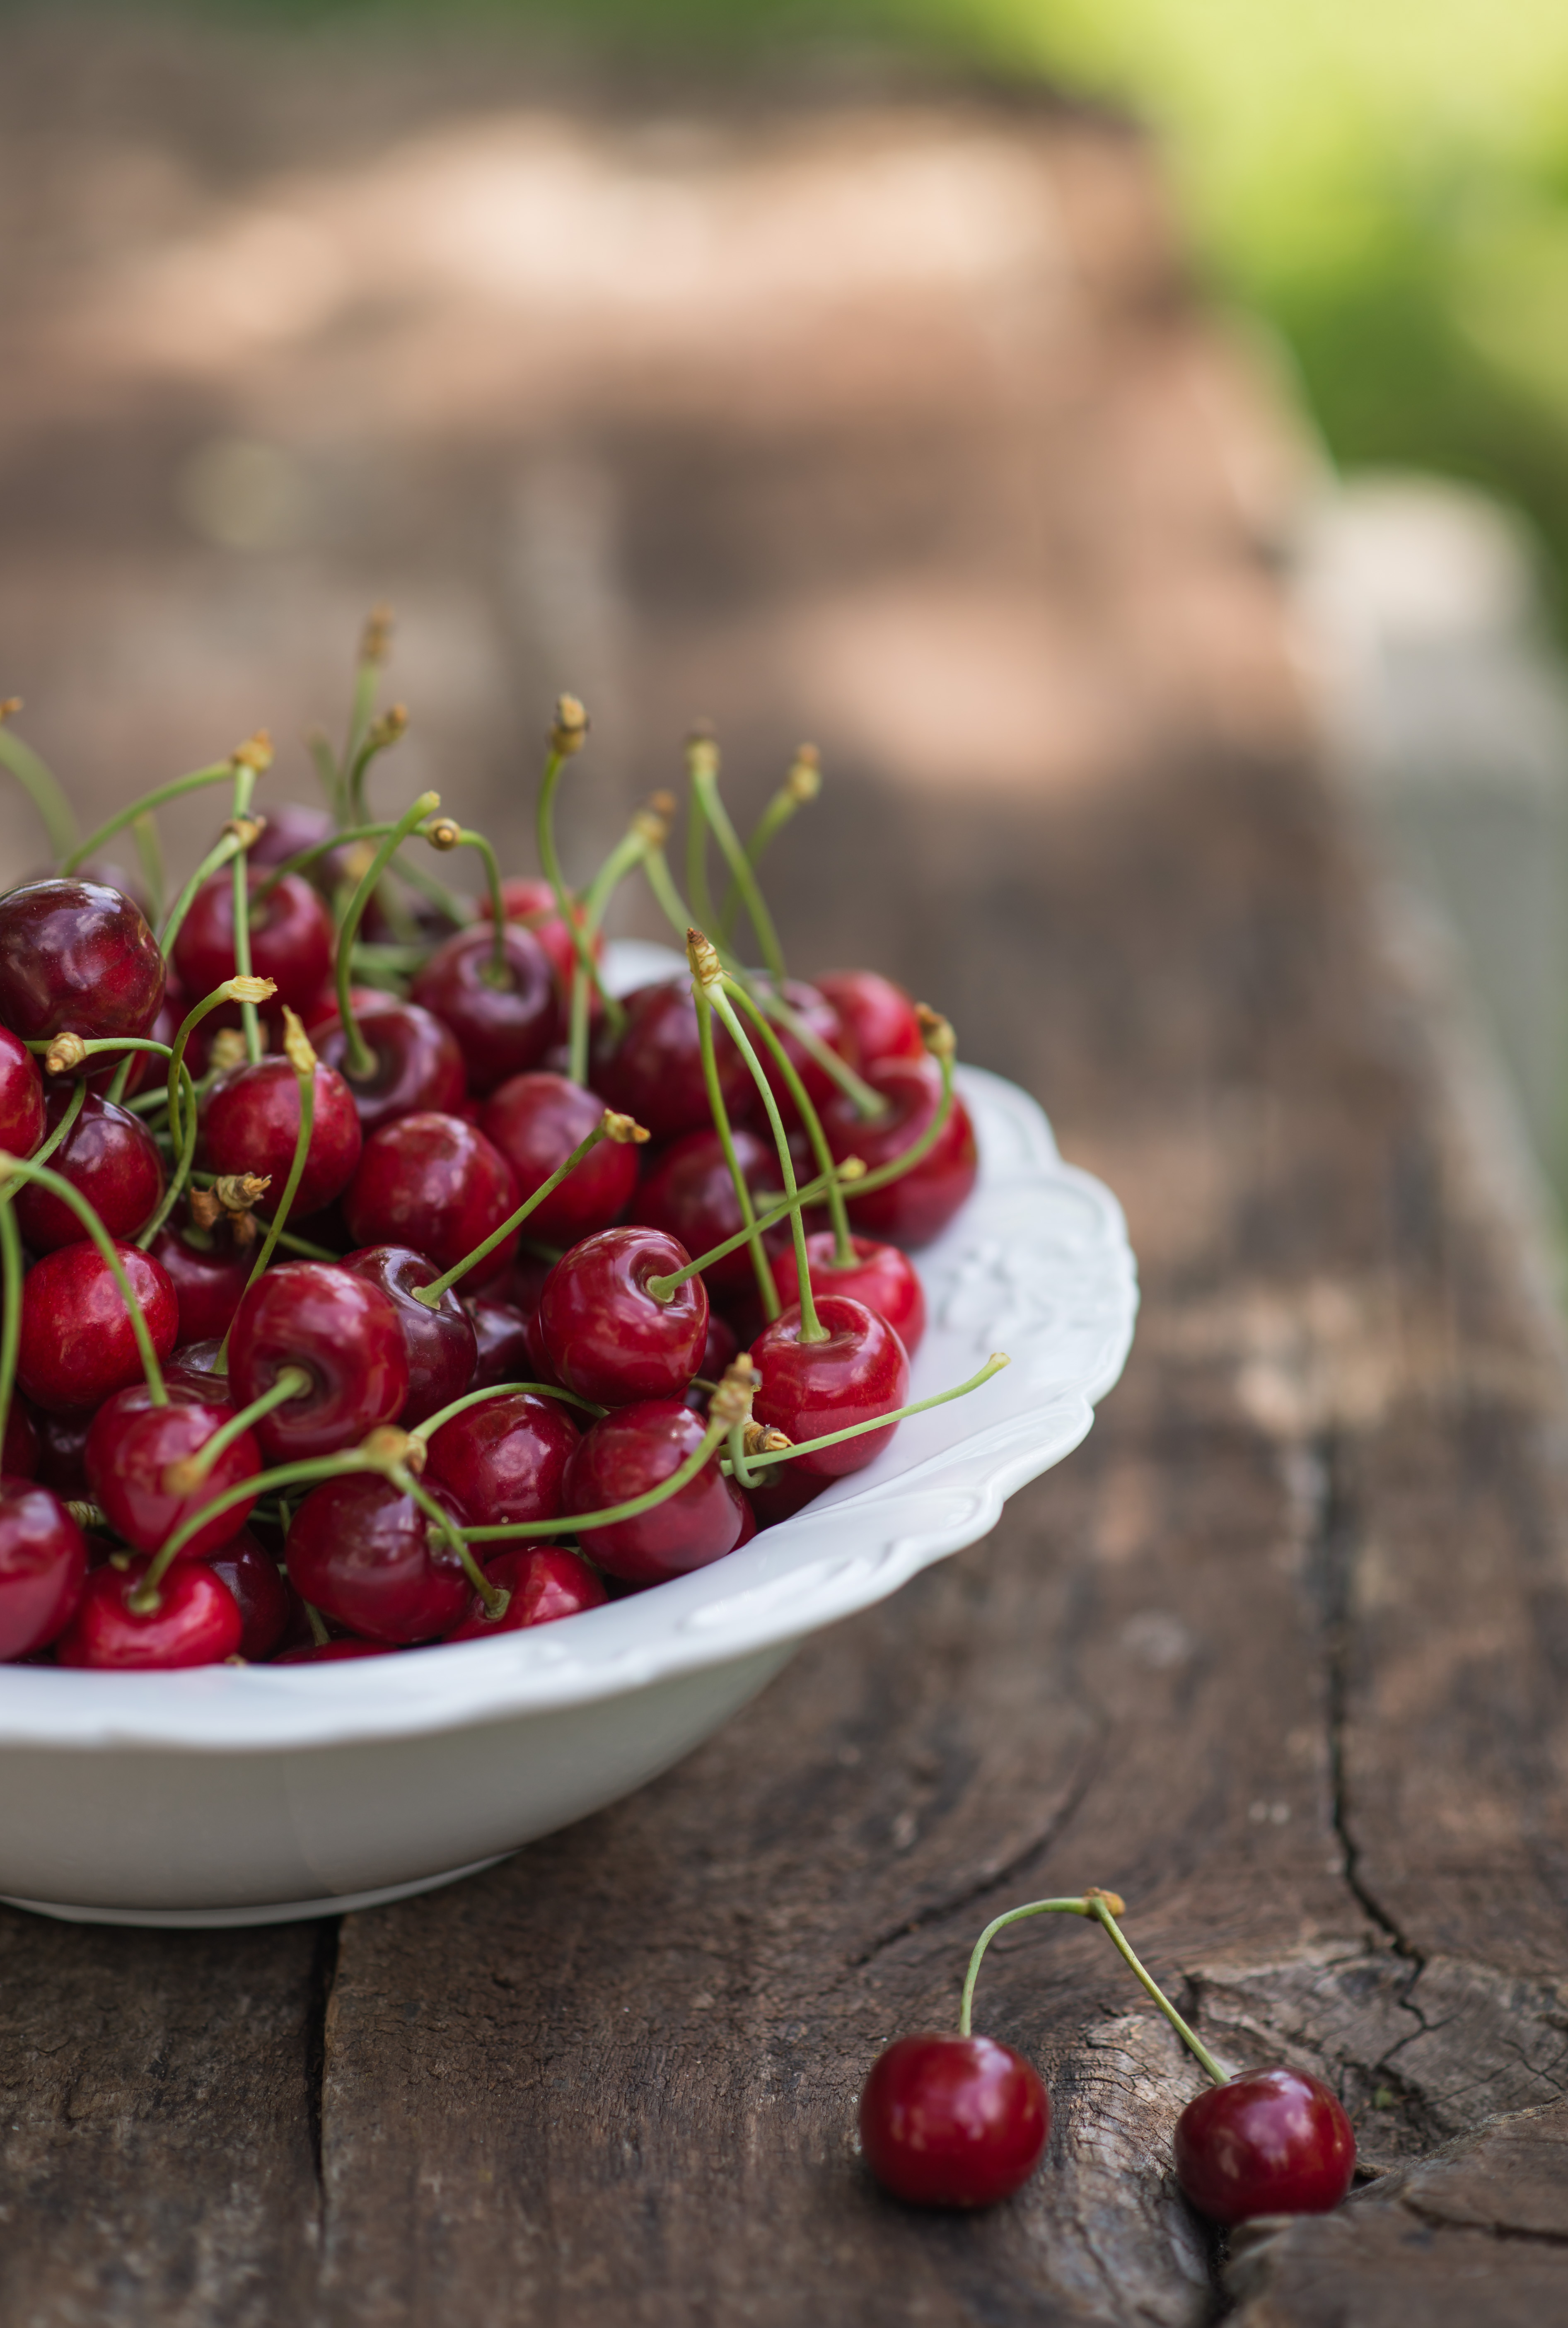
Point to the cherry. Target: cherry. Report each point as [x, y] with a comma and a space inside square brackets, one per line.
[77, 1346]
[440, 1343]
[21, 1096]
[251, 1124]
[132, 1449]
[42, 1567]
[207, 1279]
[924, 1199]
[265, 1601]
[502, 1027]
[194, 1371]
[536, 1120]
[344, 1332]
[878, 1017]
[881, 1276]
[76, 956]
[546, 1582]
[949, 2121]
[624, 1455]
[61, 1452]
[291, 938]
[606, 1337]
[506, 1458]
[818, 1013]
[533, 903]
[291, 826]
[19, 1455]
[781, 1490]
[197, 1620]
[860, 1369]
[418, 1064]
[362, 1551]
[652, 1071]
[1270, 2142]
[689, 1195]
[722, 1345]
[437, 1182]
[110, 1156]
[501, 1335]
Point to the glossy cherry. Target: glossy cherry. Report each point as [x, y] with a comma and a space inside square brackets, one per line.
[881, 1277]
[194, 1372]
[344, 1332]
[1271, 2141]
[208, 1279]
[77, 956]
[689, 1195]
[813, 1007]
[503, 1028]
[533, 903]
[77, 1346]
[436, 1183]
[652, 1071]
[950, 2121]
[911, 1209]
[605, 1335]
[860, 1369]
[416, 1064]
[365, 1554]
[21, 1096]
[197, 1620]
[109, 1157]
[878, 1019]
[265, 1600]
[546, 1581]
[130, 1450]
[291, 938]
[20, 1452]
[506, 1458]
[625, 1454]
[251, 1124]
[42, 1567]
[536, 1120]
[500, 1339]
[440, 1343]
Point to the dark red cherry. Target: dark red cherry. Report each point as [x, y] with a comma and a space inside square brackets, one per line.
[436, 1183]
[194, 1372]
[109, 1157]
[810, 1388]
[689, 1195]
[63, 1453]
[208, 1281]
[77, 956]
[783, 1490]
[533, 904]
[365, 1554]
[605, 1335]
[345, 1333]
[501, 1337]
[881, 1277]
[251, 1124]
[42, 1567]
[1272, 2141]
[913, 1209]
[625, 1454]
[78, 1345]
[327, 1653]
[949, 2121]
[196, 1622]
[265, 1600]
[21, 1096]
[536, 1120]
[652, 1071]
[506, 1458]
[878, 1017]
[19, 1455]
[546, 1582]
[291, 826]
[722, 1345]
[291, 938]
[502, 1028]
[130, 1450]
[418, 1064]
[440, 1343]
[819, 1014]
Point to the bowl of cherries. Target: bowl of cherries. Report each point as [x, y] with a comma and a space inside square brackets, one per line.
[449, 1360]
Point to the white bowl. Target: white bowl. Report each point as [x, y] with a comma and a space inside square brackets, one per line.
[258, 1795]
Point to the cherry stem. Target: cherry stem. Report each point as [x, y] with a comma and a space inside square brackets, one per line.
[661, 1288]
[868, 1104]
[549, 860]
[705, 786]
[181, 1173]
[430, 1295]
[10, 1312]
[150, 853]
[193, 1469]
[762, 1267]
[40, 783]
[244, 786]
[574, 1522]
[362, 703]
[801, 784]
[311, 1470]
[499, 973]
[360, 1060]
[304, 1066]
[918, 1150]
[739, 1462]
[303, 858]
[14, 1168]
[993, 1366]
[217, 774]
[380, 736]
[843, 1249]
[433, 1423]
[629, 851]
[495, 1599]
[227, 992]
[60, 1135]
[812, 1327]
[701, 755]
[217, 857]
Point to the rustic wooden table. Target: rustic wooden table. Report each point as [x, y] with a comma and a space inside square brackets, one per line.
[1280, 1653]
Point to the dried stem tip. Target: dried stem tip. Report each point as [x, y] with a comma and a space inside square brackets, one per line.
[570, 726]
[238, 1191]
[388, 1448]
[701, 753]
[762, 1439]
[662, 805]
[441, 833]
[703, 955]
[296, 1044]
[377, 635]
[67, 1051]
[731, 1401]
[1113, 1900]
[227, 1050]
[256, 752]
[940, 1039]
[624, 1130]
[390, 728]
[250, 990]
[651, 827]
[8, 704]
[247, 830]
[805, 780]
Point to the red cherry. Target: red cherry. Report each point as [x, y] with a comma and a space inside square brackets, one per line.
[536, 1120]
[42, 1567]
[21, 1096]
[819, 1014]
[364, 1554]
[76, 956]
[440, 1343]
[689, 1195]
[533, 903]
[291, 938]
[506, 1458]
[606, 1337]
[265, 1601]
[653, 1070]
[129, 1451]
[77, 1346]
[881, 1277]
[417, 1065]
[345, 1333]
[291, 826]
[878, 1017]
[783, 1490]
[949, 2121]
[251, 1124]
[722, 1345]
[923, 1201]
[546, 1582]
[436, 1183]
[503, 1029]
[197, 1621]
[109, 1157]
[19, 1455]
[63, 1453]
[1272, 2141]
[625, 1454]
[194, 1372]
[208, 1282]
[808, 1388]
[501, 1335]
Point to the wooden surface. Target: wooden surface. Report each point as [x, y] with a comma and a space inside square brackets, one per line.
[1278, 1654]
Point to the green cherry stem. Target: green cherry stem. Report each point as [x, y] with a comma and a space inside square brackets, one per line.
[702, 773]
[310, 1472]
[443, 834]
[567, 738]
[39, 781]
[217, 857]
[867, 1103]
[939, 1044]
[233, 989]
[848, 1175]
[705, 785]
[183, 1163]
[610, 1126]
[647, 828]
[303, 1060]
[993, 1366]
[217, 774]
[433, 1423]
[358, 1060]
[303, 858]
[374, 640]
[575, 1523]
[10, 1312]
[838, 1211]
[495, 1599]
[185, 1476]
[380, 736]
[802, 784]
[812, 1327]
[12, 1167]
[761, 1265]
[244, 827]
[59, 1136]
